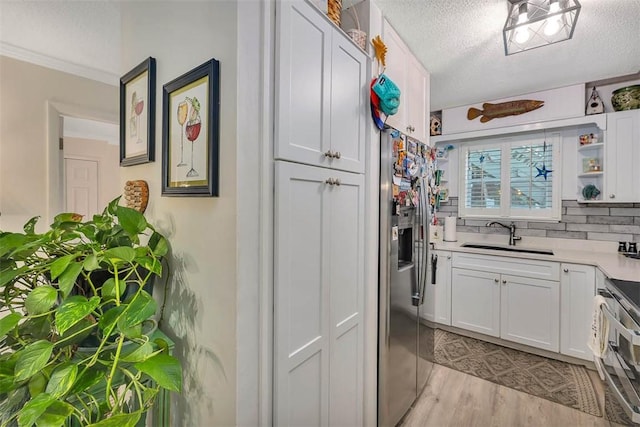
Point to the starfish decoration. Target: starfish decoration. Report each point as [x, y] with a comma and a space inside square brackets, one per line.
[543, 171]
[481, 158]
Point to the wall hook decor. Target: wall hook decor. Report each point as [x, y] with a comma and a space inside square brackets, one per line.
[136, 195]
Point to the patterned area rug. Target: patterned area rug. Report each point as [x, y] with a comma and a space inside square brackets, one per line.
[550, 379]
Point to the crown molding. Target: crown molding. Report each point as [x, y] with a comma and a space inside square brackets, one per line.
[22, 54]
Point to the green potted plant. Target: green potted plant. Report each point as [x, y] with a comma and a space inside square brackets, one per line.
[78, 343]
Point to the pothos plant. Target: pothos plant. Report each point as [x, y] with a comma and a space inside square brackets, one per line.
[76, 321]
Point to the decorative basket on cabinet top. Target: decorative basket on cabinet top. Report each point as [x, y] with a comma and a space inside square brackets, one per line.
[334, 8]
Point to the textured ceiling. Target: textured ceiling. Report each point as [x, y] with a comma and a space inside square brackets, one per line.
[460, 43]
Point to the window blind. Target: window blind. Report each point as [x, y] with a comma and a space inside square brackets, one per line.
[483, 178]
[530, 180]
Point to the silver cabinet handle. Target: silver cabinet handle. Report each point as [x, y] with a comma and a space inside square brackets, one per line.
[337, 155]
[504, 282]
[337, 181]
[449, 257]
[330, 181]
[329, 153]
[612, 196]
[496, 280]
[566, 270]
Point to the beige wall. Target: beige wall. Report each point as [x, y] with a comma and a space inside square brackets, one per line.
[201, 301]
[108, 158]
[24, 91]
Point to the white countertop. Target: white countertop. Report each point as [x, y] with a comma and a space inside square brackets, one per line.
[604, 256]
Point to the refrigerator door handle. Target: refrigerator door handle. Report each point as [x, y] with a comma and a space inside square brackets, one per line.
[434, 268]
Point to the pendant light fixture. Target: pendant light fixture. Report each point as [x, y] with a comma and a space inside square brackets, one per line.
[536, 23]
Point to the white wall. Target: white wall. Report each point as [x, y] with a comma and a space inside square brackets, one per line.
[201, 299]
[25, 89]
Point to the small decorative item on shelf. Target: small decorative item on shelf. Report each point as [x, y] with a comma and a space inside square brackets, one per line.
[594, 104]
[585, 139]
[591, 164]
[435, 127]
[443, 152]
[590, 192]
[334, 8]
[356, 34]
[626, 98]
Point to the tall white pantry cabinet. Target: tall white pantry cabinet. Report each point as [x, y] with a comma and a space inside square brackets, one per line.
[320, 121]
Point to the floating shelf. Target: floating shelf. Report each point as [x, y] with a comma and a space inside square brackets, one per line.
[590, 174]
[589, 147]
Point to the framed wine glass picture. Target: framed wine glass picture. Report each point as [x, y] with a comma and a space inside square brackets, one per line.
[137, 114]
[190, 132]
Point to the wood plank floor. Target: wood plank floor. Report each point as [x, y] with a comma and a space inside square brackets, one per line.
[453, 398]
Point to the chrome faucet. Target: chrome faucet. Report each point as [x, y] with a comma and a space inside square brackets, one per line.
[512, 231]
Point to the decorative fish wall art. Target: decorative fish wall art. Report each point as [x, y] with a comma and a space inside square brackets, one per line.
[503, 109]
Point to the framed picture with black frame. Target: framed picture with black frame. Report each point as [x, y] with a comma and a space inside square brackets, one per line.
[190, 132]
[137, 114]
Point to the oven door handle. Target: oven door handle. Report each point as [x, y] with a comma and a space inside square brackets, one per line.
[632, 411]
[629, 334]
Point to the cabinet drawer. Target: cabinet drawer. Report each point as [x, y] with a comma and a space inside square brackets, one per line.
[546, 270]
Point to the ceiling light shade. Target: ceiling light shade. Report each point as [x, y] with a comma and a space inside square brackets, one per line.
[536, 23]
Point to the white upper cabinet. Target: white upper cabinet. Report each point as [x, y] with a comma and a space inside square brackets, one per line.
[413, 80]
[622, 155]
[321, 91]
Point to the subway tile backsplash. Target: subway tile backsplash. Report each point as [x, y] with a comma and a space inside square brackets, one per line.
[611, 222]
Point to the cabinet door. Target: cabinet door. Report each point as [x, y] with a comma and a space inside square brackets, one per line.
[346, 278]
[397, 53]
[622, 155]
[301, 295]
[349, 90]
[577, 284]
[437, 298]
[475, 301]
[530, 311]
[302, 84]
[417, 99]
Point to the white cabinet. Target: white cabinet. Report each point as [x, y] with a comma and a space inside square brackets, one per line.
[437, 299]
[622, 155]
[318, 296]
[514, 299]
[530, 311]
[577, 284]
[413, 80]
[321, 91]
[475, 301]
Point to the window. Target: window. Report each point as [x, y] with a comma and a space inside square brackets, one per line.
[512, 177]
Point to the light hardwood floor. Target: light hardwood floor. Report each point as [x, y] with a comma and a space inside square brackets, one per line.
[453, 398]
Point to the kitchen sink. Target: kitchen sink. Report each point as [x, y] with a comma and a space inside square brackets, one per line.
[507, 248]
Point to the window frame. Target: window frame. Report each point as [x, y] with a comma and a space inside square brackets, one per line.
[505, 144]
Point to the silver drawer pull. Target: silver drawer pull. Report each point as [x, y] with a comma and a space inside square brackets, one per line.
[337, 155]
[329, 153]
[337, 181]
[330, 181]
[623, 330]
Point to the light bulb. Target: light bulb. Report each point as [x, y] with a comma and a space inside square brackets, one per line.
[522, 33]
[553, 23]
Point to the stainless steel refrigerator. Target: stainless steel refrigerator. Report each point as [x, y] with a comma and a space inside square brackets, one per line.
[405, 343]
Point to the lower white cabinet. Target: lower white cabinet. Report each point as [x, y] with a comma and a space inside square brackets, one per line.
[518, 308]
[577, 283]
[318, 296]
[437, 299]
[530, 311]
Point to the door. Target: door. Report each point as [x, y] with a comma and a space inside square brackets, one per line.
[417, 99]
[530, 312]
[348, 84]
[396, 58]
[303, 73]
[622, 153]
[577, 287]
[475, 301]
[81, 186]
[437, 301]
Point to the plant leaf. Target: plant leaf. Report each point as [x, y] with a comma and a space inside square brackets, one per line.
[10, 241]
[131, 220]
[124, 253]
[137, 354]
[91, 263]
[150, 263]
[74, 309]
[33, 409]
[62, 379]
[60, 265]
[37, 384]
[109, 318]
[7, 275]
[140, 308]
[91, 376]
[55, 415]
[109, 288]
[158, 244]
[32, 359]
[68, 277]
[41, 299]
[9, 322]
[130, 332]
[164, 369]
[119, 420]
